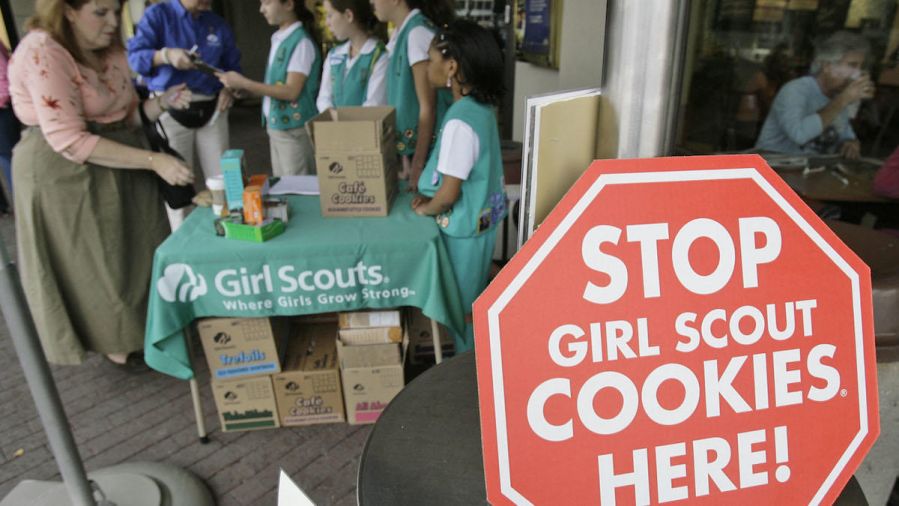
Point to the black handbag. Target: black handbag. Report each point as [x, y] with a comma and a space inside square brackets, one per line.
[175, 196]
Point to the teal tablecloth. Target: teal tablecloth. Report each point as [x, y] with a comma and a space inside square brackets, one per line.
[318, 265]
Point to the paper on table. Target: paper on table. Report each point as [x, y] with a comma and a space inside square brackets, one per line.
[295, 185]
[289, 494]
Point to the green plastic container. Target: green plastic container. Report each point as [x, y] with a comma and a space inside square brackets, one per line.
[251, 233]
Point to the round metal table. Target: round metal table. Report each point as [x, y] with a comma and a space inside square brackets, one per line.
[426, 446]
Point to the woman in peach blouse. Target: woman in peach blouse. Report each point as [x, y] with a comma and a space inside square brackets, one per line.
[89, 214]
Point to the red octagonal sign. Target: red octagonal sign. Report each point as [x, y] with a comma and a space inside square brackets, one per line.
[680, 329]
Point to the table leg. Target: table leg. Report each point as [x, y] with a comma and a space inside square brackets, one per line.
[438, 348]
[199, 416]
[198, 410]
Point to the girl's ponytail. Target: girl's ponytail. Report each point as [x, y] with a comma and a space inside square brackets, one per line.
[480, 60]
[440, 12]
[307, 17]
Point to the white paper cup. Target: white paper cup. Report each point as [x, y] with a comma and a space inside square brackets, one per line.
[216, 185]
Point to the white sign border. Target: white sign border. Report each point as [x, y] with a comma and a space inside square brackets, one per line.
[493, 312]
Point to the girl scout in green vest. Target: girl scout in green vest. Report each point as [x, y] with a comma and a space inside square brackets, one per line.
[418, 108]
[291, 85]
[355, 72]
[462, 184]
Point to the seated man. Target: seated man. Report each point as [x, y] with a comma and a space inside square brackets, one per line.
[810, 115]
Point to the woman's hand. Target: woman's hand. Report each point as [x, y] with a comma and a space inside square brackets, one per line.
[203, 199]
[176, 97]
[171, 169]
[419, 204]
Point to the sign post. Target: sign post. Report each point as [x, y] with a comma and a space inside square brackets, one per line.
[677, 329]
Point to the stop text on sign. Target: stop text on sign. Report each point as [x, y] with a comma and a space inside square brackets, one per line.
[650, 234]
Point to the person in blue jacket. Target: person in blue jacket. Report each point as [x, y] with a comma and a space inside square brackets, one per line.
[169, 40]
[462, 184]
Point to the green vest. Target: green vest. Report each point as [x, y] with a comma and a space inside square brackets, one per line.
[350, 88]
[482, 203]
[287, 115]
[401, 89]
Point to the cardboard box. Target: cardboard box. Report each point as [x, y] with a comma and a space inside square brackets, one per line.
[232, 164]
[369, 319]
[246, 404]
[371, 375]
[243, 347]
[356, 161]
[377, 335]
[308, 389]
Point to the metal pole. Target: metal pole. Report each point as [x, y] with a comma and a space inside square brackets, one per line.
[40, 382]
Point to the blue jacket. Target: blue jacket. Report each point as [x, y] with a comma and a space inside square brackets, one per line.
[168, 24]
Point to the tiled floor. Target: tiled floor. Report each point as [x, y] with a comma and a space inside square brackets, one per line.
[119, 417]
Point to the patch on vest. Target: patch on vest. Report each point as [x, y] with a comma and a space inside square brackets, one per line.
[493, 214]
[443, 219]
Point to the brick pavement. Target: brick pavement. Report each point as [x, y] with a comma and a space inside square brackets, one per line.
[120, 417]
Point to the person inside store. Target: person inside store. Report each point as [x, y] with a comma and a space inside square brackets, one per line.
[419, 108]
[811, 114]
[292, 79]
[89, 213]
[355, 72]
[170, 42]
[462, 184]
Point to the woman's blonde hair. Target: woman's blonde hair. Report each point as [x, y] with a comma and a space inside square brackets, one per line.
[50, 16]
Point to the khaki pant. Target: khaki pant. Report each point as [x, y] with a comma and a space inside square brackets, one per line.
[292, 152]
[207, 143]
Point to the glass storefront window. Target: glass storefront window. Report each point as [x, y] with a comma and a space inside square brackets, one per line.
[740, 53]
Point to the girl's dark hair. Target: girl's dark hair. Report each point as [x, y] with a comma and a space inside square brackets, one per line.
[307, 17]
[479, 57]
[363, 15]
[440, 12]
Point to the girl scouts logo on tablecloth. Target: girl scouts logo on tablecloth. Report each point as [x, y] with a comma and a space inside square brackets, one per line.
[179, 283]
